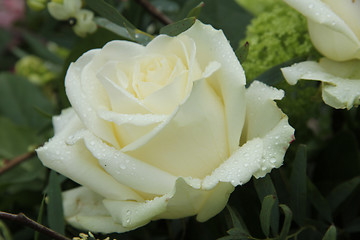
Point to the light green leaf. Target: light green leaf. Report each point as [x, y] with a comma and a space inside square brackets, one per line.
[40, 215]
[4, 231]
[176, 28]
[298, 186]
[195, 12]
[265, 213]
[330, 233]
[55, 207]
[287, 221]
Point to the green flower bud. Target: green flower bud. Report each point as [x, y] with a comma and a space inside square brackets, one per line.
[36, 5]
[35, 69]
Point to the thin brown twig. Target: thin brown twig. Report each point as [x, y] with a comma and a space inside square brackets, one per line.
[15, 161]
[21, 218]
[155, 12]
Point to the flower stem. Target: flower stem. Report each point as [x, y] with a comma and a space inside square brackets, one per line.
[24, 220]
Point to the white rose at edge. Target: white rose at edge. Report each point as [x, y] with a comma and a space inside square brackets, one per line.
[162, 131]
[334, 26]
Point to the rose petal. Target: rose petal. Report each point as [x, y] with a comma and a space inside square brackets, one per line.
[323, 21]
[83, 102]
[121, 100]
[265, 142]
[341, 80]
[182, 201]
[76, 162]
[262, 113]
[84, 209]
[130, 127]
[228, 81]
[126, 169]
[187, 144]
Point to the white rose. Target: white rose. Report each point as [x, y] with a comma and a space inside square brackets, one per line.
[334, 26]
[154, 132]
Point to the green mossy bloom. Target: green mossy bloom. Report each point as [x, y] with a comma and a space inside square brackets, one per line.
[275, 37]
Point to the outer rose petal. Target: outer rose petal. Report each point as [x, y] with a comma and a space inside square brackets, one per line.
[340, 80]
[86, 209]
[329, 33]
[77, 163]
[266, 136]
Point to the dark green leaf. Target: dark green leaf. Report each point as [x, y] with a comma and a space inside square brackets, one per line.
[298, 186]
[18, 100]
[109, 12]
[341, 192]
[264, 187]
[237, 221]
[195, 12]
[176, 28]
[242, 52]
[274, 76]
[318, 201]
[40, 215]
[265, 213]
[14, 139]
[226, 15]
[354, 226]
[55, 207]
[287, 222]
[330, 233]
[41, 50]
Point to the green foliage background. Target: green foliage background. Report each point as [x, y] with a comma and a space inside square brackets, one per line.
[315, 195]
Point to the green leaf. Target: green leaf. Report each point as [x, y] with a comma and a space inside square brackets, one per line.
[330, 233]
[265, 213]
[264, 187]
[342, 192]
[195, 12]
[39, 218]
[138, 36]
[40, 49]
[318, 201]
[287, 221]
[237, 221]
[109, 12]
[298, 186]
[55, 207]
[354, 226]
[242, 52]
[4, 231]
[176, 28]
[274, 76]
[18, 100]
[115, 28]
[226, 15]
[14, 139]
